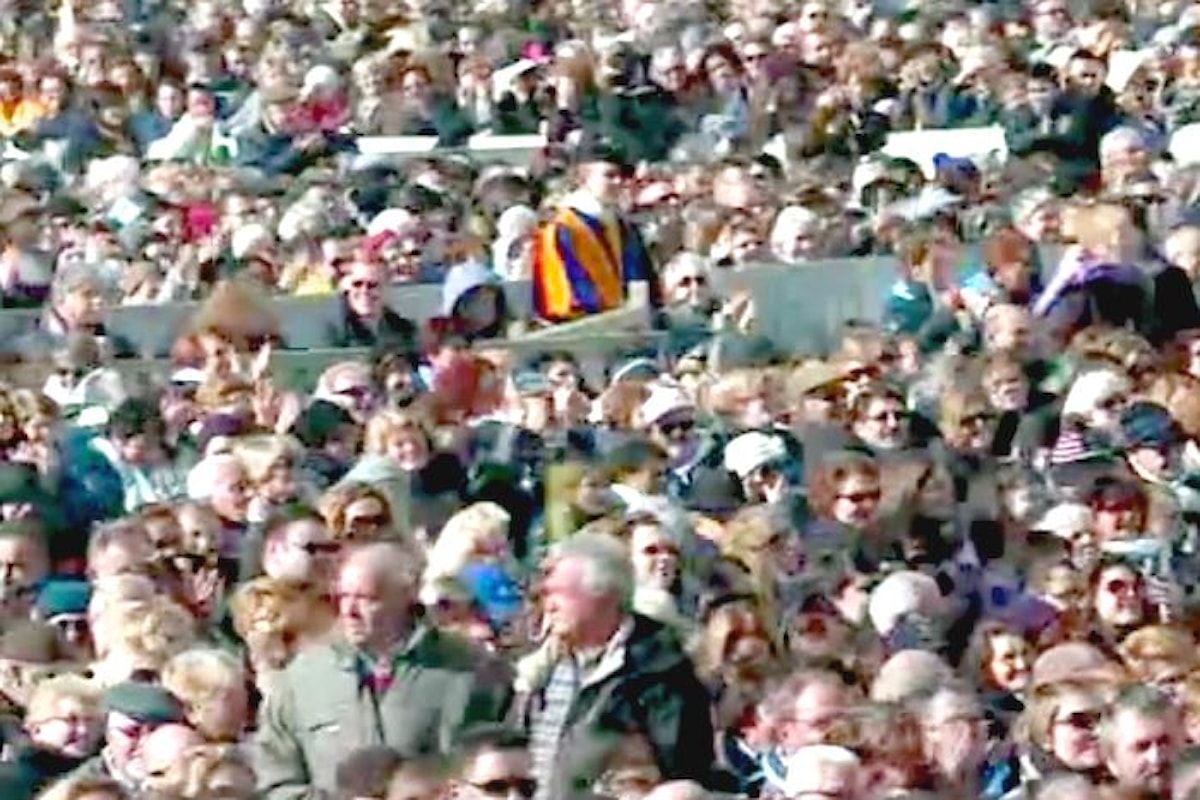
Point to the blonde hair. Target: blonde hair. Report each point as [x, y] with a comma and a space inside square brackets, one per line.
[84, 786]
[1153, 650]
[195, 676]
[199, 764]
[109, 594]
[271, 615]
[387, 423]
[337, 500]
[47, 694]
[151, 633]
[259, 454]
[460, 537]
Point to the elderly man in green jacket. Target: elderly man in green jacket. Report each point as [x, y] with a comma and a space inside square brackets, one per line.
[384, 678]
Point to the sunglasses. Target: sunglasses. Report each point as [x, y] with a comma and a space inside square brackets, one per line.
[70, 623]
[1080, 720]
[680, 426]
[1120, 586]
[858, 498]
[503, 787]
[365, 284]
[374, 521]
[319, 548]
[692, 280]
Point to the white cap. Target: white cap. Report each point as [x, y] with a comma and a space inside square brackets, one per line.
[1065, 519]
[664, 399]
[395, 220]
[752, 450]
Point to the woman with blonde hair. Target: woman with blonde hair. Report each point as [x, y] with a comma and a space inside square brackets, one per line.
[275, 619]
[211, 686]
[477, 534]
[144, 636]
[271, 463]
[357, 512]
[1099, 280]
[1163, 655]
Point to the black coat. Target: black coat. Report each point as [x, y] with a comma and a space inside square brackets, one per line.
[1175, 307]
[348, 330]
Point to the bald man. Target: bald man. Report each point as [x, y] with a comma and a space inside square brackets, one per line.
[384, 678]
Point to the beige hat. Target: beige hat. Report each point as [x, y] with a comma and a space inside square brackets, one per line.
[1075, 662]
[812, 376]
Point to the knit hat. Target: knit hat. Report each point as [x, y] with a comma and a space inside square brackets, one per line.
[1074, 662]
[63, 596]
[753, 450]
[494, 591]
[1147, 424]
[145, 702]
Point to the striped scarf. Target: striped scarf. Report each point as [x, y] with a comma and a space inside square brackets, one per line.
[550, 721]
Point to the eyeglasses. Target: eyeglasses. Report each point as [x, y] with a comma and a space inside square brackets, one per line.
[859, 498]
[357, 392]
[1080, 720]
[687, 281]
[504, 787]
[1120, 586]
[319, 548]
[679, 426]
[365, 284]
[70, 623]
[372, 521]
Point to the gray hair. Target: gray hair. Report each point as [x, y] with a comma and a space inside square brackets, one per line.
[953, 695]
[1138, 698]
[75, 276]
[398, 564]
[1064, 786]
[607, 568]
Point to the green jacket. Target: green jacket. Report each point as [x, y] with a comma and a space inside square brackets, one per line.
[322, 711]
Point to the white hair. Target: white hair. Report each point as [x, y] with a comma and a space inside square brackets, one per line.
[203, 476]
[607, 568]
[898, 594]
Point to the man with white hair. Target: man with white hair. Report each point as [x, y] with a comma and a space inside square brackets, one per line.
[383, 677]
[604, 669]
[824, 771]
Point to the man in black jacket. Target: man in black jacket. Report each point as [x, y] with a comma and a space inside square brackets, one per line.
[363, 319]
[606, 671]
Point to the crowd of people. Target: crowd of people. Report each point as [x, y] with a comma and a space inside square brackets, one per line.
[956, 556]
